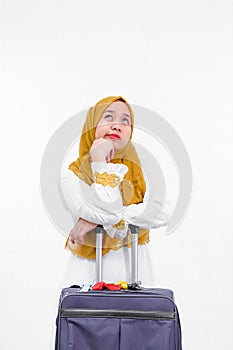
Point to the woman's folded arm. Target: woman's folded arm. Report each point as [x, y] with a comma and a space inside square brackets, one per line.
[149, 214]
[101, 202]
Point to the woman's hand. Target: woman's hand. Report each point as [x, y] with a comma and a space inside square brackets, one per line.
[81, 228]
[102, 150]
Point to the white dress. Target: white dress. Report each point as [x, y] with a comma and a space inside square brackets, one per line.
[103, 205]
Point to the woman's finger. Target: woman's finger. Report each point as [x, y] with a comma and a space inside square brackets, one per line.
[112, 154]
[80, 240]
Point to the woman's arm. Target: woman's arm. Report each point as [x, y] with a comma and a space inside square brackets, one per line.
[95, 203]
[149, 214]
[101, 202]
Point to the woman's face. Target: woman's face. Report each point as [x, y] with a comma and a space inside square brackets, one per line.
[115, 124]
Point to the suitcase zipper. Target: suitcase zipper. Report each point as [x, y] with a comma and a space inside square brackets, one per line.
[116, 293]
[122, 293]
[108, 313]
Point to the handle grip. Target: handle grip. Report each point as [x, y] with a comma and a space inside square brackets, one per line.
[134, 254]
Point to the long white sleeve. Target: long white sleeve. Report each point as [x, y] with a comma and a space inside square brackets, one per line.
[95, 203]
[103, 204]
[149, 214]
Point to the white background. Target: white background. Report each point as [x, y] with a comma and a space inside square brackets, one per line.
[59, 58]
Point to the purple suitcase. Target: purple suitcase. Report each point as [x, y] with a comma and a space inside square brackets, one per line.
[141, 319]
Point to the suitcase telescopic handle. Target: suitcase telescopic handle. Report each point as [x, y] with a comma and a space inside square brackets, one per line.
[134, 254]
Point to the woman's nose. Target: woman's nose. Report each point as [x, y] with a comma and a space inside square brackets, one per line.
[116, 126]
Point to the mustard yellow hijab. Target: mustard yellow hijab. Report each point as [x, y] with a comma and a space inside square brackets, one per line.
[132, 187]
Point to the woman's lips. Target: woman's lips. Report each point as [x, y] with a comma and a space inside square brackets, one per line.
[113, 136]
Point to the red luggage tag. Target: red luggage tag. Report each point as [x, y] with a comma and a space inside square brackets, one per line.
[98, 286]
[103, 285]
[112, 286]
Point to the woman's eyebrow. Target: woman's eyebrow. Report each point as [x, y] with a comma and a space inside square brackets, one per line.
[127, 115]
[109, 111]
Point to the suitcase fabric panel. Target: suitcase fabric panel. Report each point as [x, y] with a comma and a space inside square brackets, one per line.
[142, 320]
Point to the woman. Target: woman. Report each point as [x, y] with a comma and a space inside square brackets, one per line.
[106, 186]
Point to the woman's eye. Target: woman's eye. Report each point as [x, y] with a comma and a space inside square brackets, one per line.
[126, 121]
[108, 116]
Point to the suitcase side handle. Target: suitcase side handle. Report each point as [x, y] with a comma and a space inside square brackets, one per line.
[134, 253]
